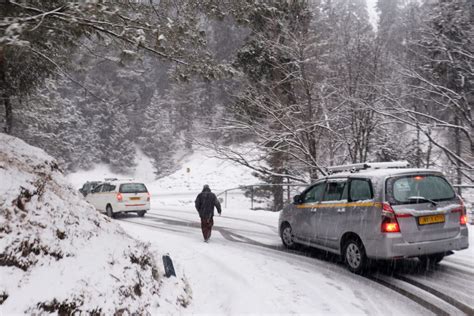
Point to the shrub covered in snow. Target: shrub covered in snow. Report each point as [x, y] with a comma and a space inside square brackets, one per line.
[58, 254]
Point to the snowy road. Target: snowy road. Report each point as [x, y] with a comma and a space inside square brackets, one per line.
[244, 269]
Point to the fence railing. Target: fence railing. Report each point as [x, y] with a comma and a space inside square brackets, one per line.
[252, 190]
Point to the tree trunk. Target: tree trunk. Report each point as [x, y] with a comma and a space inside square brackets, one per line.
[276, 161]
[418, 143]
[418, 147]
[5, 97]
[458, 149]
[8, 113]
[428, 153]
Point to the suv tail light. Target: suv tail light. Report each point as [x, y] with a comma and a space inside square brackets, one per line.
[148, 196]
[462, 212]
[389, 220]
[119, 197]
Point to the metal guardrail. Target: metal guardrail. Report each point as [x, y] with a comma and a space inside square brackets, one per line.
[251, 187]
[464, 186]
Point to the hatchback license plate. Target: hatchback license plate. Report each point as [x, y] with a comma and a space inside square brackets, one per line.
[134, 198]
[431, 219]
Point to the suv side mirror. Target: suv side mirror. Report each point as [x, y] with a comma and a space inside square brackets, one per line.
[297, 199]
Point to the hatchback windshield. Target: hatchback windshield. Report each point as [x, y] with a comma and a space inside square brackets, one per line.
[411, 188]
[133, 188]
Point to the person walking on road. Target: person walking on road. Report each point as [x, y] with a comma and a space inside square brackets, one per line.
[205, 203]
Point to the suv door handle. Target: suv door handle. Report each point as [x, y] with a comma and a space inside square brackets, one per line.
[341, 210]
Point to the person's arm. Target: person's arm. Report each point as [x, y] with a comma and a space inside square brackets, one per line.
[217, 204]
[197, 203]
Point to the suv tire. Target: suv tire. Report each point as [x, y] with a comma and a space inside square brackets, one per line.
[109, 211]
[354, 256]
[141, 213]
[286, 235]
[431, 260]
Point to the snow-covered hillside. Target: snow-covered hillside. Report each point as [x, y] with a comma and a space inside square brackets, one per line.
[58, 254]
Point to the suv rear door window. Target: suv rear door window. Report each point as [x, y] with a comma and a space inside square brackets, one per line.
[360, 189]
[133, 188]
[431, 187]
[334, 191]
[108, 187]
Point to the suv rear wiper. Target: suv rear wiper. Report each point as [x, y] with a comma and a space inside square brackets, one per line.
[418, 198]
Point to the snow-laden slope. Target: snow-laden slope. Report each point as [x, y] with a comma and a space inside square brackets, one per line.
[57, 254]
[202, 168]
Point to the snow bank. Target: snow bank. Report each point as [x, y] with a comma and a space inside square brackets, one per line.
[200, 168]
[57, 254]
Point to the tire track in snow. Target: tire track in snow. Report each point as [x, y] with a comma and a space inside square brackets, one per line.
[226, 233]
[460, 262]
[218, 226]
[450, 300]
[273, 228]
[407, 292]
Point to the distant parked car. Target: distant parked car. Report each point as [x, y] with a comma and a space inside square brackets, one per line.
[88, 187]
[378, 211]
[120, 196]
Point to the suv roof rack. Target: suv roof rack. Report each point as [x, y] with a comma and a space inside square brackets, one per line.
[367, 165]
[117, 179]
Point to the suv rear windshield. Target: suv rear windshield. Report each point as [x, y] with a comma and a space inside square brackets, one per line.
[431, 187]
[133, 188]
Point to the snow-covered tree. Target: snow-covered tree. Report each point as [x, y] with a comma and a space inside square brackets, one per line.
[432, 88]
[157, 139]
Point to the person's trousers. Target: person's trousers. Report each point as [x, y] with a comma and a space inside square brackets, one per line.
[206, 227]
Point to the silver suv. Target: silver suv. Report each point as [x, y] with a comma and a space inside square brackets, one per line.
[378, 211]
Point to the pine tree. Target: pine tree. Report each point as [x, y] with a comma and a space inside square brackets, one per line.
[156, 138]
[119, 150]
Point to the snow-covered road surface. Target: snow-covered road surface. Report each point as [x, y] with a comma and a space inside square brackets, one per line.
[244, 269]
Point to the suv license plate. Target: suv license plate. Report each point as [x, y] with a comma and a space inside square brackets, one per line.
[134, 198]
[431, 219]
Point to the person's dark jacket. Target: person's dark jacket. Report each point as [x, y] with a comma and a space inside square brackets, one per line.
[205, 203]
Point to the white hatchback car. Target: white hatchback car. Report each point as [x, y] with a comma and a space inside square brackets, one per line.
[120, 196]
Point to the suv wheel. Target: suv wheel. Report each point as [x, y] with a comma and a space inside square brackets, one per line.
[354, 256]
[431, 260]
[287, 236]
[141, 213]
[109, 211]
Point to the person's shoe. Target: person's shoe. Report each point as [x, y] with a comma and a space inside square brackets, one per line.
[206, 240]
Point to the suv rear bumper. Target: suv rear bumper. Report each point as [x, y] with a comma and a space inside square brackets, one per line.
[132, 207]
[393, 246]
